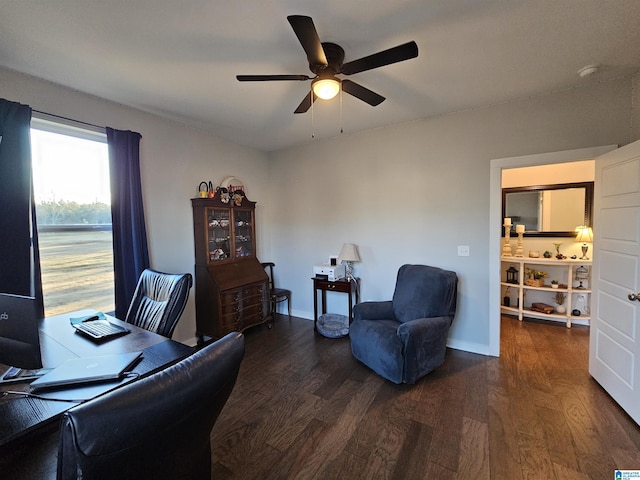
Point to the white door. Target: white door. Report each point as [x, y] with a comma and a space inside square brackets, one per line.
[614, 352]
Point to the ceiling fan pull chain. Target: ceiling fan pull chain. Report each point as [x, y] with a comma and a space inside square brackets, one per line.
[341, 122]
[313, 128]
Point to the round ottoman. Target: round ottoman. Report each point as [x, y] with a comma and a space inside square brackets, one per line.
[332, 325]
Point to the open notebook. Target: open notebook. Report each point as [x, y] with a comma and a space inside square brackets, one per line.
[78, 371]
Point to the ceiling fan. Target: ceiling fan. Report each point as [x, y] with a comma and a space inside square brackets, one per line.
[326, 61]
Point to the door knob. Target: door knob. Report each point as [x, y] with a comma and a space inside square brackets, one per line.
[634, 296]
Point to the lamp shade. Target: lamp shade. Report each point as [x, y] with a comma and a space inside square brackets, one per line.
[348, 253]
[326, 88]
[585, 234]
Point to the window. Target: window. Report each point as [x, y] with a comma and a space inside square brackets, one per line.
[73, 212]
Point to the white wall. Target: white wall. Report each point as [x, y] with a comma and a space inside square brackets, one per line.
[174, 159]
[408, 193]
[412, 193]
[635, 121]
[580, 171]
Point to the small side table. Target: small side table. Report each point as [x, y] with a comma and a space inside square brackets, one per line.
[350, 287]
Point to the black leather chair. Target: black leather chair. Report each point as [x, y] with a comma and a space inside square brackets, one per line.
[158, 427]
[159, 301]
[277, 295]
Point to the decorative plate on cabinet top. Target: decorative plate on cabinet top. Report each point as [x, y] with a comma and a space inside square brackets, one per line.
[233, 184]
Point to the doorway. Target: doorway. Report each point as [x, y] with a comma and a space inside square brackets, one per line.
[495, 220]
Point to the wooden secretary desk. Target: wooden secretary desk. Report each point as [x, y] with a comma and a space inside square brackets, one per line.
[232, 287]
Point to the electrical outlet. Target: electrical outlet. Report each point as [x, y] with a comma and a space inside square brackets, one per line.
[463, 250]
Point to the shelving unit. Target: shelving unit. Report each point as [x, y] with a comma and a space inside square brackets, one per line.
[521, 296]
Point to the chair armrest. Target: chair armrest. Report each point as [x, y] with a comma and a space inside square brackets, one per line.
[424, 341]
[374, 311]
[420, 335]
[423, 329]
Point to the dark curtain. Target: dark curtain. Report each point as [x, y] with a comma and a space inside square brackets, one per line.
[19, 254]
[130, 251]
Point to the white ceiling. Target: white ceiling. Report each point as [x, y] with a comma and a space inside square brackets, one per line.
[179, 58]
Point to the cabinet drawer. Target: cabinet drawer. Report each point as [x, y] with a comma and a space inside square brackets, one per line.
[231, 308]
[230, 302]
[253, 319]
[339, 286]
[234, 318]
[253, 309]
[230, 296]
[248, 301]
[253, 290]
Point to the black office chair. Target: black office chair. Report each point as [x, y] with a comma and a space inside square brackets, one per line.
[157, 427]
[159, 301]
[277, 295]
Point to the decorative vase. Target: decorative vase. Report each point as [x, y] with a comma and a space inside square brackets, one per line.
[561, 309]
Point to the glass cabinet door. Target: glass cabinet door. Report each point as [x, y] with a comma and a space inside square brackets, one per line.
[218, 234]
[243, 233]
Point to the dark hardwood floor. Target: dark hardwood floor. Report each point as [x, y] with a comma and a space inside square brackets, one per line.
[304, 408]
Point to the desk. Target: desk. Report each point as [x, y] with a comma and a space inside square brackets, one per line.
[27, 425]
[350, 287]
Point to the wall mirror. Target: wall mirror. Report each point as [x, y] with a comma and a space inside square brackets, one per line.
[549, 210]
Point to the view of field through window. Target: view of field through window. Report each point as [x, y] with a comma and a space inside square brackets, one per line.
[72, 195]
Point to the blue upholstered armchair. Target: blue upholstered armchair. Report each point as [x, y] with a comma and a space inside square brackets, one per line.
[405, 338]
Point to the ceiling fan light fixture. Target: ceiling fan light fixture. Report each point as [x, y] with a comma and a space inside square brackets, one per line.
[588, 71]
[326, 88]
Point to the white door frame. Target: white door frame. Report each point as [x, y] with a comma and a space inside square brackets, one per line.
[495, 220]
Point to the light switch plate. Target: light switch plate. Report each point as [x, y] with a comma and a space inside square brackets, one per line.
[463, 250]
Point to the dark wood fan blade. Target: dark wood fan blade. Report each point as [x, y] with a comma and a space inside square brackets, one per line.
[306, 32]
[380, 59]
[268, 78]
[306, 103]
[364, 94]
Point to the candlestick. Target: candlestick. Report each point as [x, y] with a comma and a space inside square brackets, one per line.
[506, 249]
[507, 221]
[519, 249]
[519, 228]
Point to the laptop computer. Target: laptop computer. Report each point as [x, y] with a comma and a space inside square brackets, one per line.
[78, 371]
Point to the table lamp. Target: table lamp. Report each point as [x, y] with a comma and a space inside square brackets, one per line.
[585, 235]
[348, 255]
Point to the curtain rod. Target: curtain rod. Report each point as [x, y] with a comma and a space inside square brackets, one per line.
[70, 119]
